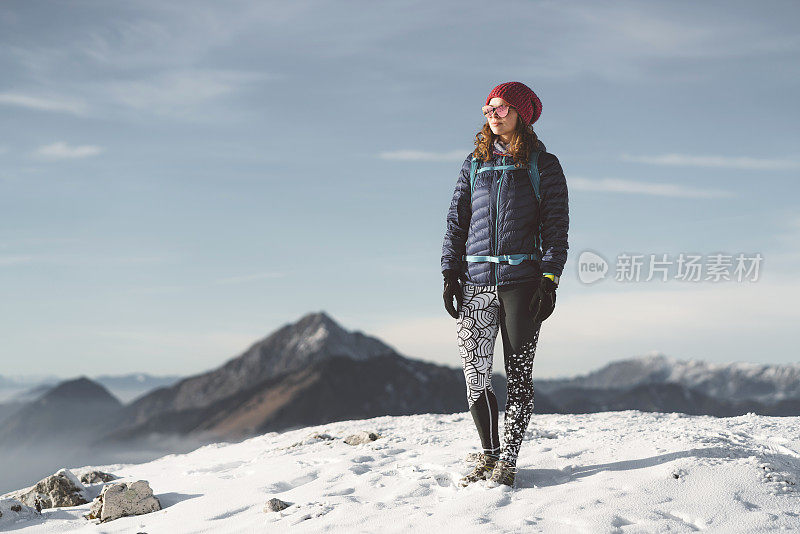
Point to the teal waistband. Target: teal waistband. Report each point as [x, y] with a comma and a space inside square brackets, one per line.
[512, 259]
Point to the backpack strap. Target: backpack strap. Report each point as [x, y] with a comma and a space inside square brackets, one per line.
[474, 167]
[533, 169]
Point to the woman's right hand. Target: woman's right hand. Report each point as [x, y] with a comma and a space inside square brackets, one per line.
[452, 289]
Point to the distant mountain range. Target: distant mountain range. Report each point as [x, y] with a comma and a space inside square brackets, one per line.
[735, 381]
[125, 387]
[68, 413]
[313, 371]
[130, 386]
[17, 392]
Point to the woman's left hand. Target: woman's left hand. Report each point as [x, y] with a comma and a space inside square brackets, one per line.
[544, 300]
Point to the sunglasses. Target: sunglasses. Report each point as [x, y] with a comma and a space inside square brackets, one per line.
[501, 110]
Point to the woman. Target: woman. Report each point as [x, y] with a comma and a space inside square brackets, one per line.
[508, 250]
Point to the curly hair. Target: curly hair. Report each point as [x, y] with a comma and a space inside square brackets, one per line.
[523, 141]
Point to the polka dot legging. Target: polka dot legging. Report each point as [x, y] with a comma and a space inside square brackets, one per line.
[484, 309]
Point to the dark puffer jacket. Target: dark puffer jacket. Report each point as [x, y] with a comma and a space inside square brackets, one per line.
[499, 217]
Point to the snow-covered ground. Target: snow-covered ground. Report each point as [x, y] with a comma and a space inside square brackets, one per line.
[598, 473]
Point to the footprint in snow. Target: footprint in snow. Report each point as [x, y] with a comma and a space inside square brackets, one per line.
[359, 469]
[282, 486]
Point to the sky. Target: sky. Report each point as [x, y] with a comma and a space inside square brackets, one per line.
[180, 179]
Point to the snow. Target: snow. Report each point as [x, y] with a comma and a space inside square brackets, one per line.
[313, 341]
[612, 472]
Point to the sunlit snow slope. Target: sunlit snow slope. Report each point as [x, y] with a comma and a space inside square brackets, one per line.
[619, 472]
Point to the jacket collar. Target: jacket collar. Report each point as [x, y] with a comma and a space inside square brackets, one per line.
[500, 149]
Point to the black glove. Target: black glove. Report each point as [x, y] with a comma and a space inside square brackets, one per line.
[544, 300]
[452, 288]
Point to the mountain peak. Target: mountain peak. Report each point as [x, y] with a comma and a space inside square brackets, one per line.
[318, 326]
[314, 337]
[656, 355]
[320, 316]
[79, 389]
[318, 332]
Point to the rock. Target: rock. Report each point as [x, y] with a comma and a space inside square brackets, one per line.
[276, 505]
[678, 473]
[315, 437]
[12, 510]
[361, 437]
[95, 477]
[60, 489]
[124, 499]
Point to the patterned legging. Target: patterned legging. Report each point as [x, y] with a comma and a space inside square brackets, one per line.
[484, 309]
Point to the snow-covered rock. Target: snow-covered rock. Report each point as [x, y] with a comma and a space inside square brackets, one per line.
[60, 489]
[276, 505]
[124, 499]
[12, 511]
[96, 477]
[316, 437]
[361, 437]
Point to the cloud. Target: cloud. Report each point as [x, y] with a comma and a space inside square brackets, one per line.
[640, 42]
[250, 277]
[420, 155]
[61, 150]
[43, 103]
[145, 58]
[172, 93]
[685, 160]
[642, 188]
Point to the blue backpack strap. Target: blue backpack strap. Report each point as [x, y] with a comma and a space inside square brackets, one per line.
[474, 166]
[533, 169]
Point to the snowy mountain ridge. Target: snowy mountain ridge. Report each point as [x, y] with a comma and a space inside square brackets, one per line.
[734, 381]
[699, 370]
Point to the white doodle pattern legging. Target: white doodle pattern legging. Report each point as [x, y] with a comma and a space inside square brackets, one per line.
[483, 311]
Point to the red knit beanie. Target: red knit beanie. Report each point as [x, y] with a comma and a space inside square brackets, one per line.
[521, 97]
